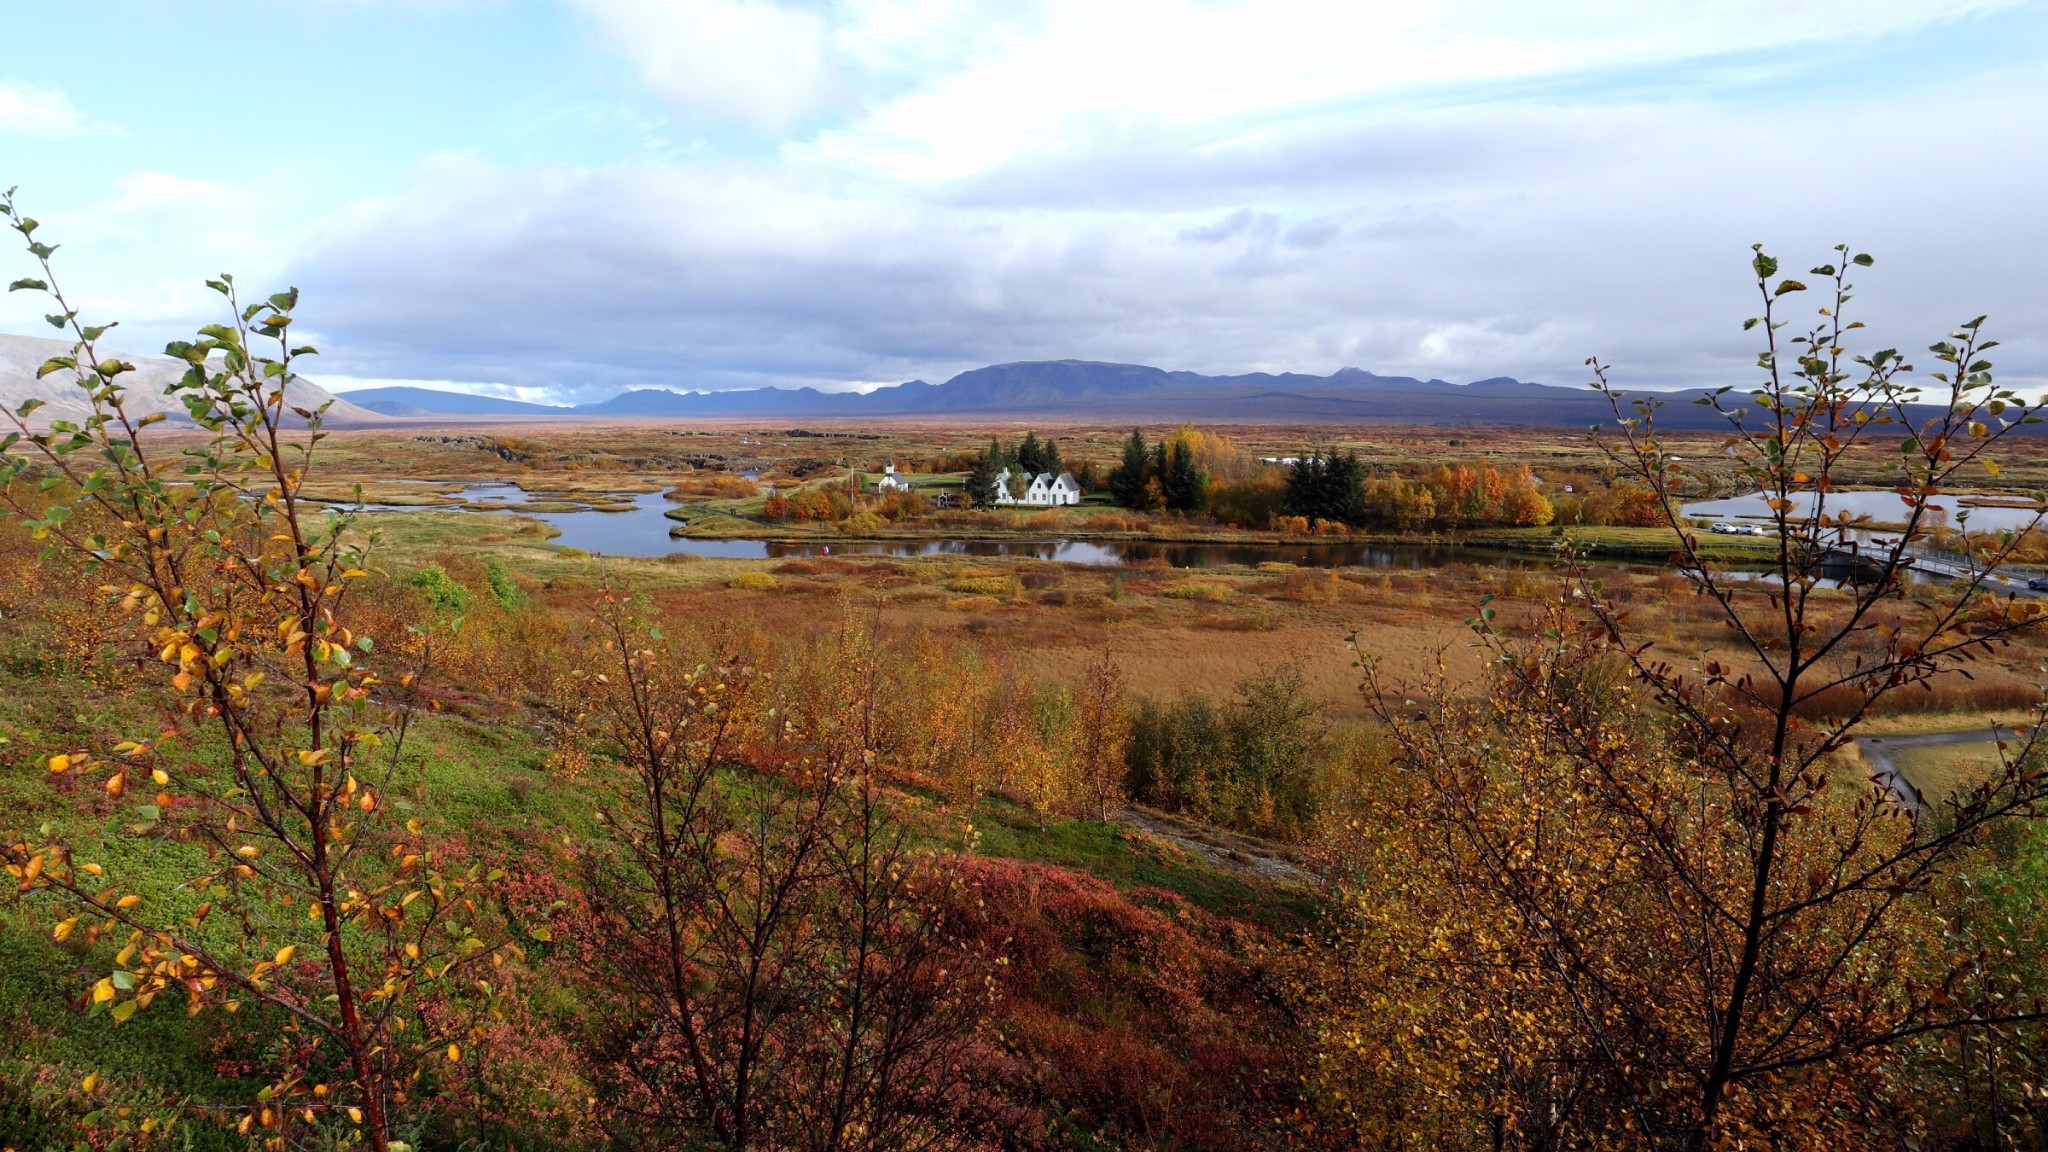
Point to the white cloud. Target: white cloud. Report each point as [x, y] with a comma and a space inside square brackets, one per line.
[1457, 190]
[141, 254]
[27, 110]
[754, 61]
[1462, 241]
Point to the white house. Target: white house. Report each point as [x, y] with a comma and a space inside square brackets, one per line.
[890, 481]
[1043, 490]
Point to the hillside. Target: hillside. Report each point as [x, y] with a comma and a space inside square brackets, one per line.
[20, 356]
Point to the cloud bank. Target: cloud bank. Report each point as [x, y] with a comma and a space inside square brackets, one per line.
[868, 191]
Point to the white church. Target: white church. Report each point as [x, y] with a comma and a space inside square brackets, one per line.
[892, 481]
[1044, 490]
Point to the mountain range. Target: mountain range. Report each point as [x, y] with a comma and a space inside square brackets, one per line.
[1090, 390]
[1079, 390]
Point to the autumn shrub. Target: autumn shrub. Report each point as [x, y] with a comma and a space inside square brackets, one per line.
[1250, 763]
[752, 582]
[443, 593]
[997, 587]
[706, 485]
[1252, 502]
[1131, 1019]
[1212, 591]
[773, 958]
[1643, 902]
[862, 521]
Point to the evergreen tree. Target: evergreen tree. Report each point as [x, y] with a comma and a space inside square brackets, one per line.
[1328, 487]
[1127, 480]
[1031, 454]
[1186, 487]
[1345, 480]
[981, 482]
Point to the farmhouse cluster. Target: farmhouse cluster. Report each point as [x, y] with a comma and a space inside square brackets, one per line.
[1043, 488]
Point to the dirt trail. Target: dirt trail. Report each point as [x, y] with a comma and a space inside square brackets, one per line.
[1224, 849]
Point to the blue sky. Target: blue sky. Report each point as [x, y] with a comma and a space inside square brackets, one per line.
[562, 200]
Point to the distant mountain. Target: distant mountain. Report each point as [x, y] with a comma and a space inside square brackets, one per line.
[402, 400]
[21, 356]
[1085, 389]
[1088, 390]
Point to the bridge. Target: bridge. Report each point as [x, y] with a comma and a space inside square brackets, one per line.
[1927, 559]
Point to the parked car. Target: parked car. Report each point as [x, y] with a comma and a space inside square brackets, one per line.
[2038, 584]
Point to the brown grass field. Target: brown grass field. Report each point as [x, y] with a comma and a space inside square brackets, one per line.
[1173, 631]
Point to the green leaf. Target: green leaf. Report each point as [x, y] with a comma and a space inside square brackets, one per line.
[26, 284]
[1785, 286]
[1862, 260]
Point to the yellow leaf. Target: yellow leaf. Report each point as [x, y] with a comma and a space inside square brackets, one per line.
[284, 955]
[60, 763]
[314, 757]
[103, 991]
[355, 1115]
[454, 1052]
[160, 776]
[128, 901]
[1991, 466]
[90, 1084]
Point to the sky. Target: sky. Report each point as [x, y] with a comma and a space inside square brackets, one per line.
[557, 201]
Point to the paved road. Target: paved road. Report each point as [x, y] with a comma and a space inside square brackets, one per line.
[1880, 753]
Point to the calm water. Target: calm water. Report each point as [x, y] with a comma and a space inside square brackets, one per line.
[644, 531]
[1881, 507]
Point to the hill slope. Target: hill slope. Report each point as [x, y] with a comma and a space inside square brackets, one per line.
[403, 400]
[20, 356]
